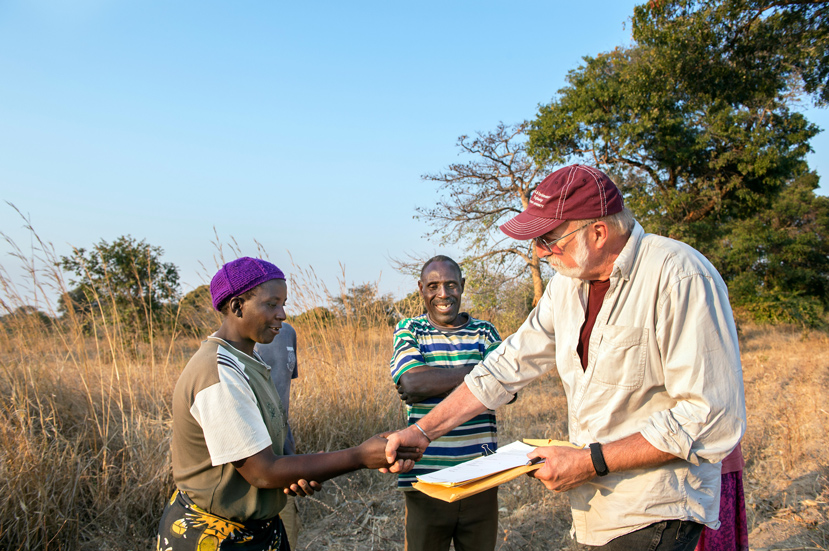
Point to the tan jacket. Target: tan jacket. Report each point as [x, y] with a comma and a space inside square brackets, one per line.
[664, 361]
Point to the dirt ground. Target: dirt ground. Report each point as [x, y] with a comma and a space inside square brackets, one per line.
[373, 520]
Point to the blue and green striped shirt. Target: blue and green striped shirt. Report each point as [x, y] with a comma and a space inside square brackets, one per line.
[417, 342]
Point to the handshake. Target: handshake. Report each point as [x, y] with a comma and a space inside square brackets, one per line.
[400, 460]
[371, 454]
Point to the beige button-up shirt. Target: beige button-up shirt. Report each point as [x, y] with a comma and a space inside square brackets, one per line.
[663, 361]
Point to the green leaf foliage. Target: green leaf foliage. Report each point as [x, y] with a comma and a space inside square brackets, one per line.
[196, 314]
[362, 304]
[740, 50]
[409, 306]
[777, 261]
[684, 162]
[314, 318]
[123, 283]
[696, 122]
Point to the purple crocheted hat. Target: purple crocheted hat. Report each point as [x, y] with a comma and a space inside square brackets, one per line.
[239, 276]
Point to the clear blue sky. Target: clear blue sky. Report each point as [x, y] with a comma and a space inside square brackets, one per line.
[304, 125]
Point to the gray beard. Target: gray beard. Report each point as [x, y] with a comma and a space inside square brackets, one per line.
[568, 271]
[578, 253]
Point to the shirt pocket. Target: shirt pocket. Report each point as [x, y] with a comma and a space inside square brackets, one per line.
[622, 357]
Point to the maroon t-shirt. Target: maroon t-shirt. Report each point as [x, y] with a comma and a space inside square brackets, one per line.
[595, 297]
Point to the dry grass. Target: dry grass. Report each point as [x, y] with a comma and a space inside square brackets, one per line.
[786, 374]
[85, 421]
[787, 492]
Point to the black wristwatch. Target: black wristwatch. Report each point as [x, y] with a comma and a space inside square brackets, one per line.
[598, 459]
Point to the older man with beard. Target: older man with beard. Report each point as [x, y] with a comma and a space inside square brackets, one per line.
[432, 354]
[641, 332]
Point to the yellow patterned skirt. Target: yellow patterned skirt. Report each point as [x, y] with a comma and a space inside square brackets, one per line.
[185, 526]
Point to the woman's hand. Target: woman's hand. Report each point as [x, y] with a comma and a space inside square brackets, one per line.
[303, 488]
[402, 440]
[373, 453]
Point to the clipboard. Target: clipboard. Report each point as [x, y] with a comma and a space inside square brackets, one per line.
[463, 489]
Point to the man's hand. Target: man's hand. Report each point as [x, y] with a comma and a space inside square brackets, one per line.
[373, 454]
[411, 397]
[423, 381]
[303, 488]
[564, 468]
[397, 441]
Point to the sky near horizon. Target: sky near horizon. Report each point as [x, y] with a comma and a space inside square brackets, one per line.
[303, 126]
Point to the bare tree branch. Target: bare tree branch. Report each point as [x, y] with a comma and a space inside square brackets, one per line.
[482, 194]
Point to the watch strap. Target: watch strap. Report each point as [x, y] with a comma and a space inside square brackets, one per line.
[598, 459]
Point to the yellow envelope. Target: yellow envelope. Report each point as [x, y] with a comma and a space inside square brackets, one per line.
[539, 442]
[454, 493]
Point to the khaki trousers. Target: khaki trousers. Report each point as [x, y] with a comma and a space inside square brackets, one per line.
[471, 523]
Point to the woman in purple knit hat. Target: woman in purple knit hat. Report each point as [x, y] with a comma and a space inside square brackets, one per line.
[229, 427]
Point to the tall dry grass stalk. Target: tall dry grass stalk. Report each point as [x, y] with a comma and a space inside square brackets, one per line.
[344, 394]
[85, 414]
[84, 418]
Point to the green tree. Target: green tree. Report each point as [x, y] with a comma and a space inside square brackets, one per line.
[409, 306]
[363, 305]
[125, 281]
[697, 123]
[25, 317]
[685, 162]
[777, 262]
[493, 296]
[740, 49]
[316, 317]
[196, 314]
[483, 193]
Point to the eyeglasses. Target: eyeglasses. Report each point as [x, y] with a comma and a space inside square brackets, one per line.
[547, 245]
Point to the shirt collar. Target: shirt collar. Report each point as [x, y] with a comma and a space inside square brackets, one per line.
[238, 353]
[623, 265]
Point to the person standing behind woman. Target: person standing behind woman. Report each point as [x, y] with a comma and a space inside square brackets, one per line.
[281, 356]
[229, 428]
[732, 534]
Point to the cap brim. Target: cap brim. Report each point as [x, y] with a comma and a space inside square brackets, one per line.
[528, 226]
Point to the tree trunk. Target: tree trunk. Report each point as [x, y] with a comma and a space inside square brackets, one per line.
[538, 283]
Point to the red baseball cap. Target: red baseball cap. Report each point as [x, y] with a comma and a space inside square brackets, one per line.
[575, 192]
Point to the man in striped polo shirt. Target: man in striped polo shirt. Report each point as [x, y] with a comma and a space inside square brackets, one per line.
[433, 352]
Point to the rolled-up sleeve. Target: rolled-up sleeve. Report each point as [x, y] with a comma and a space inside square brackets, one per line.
[700, 355]
[520, 359]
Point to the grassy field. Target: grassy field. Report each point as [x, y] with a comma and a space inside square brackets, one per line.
[786, 374]
[85, 426]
